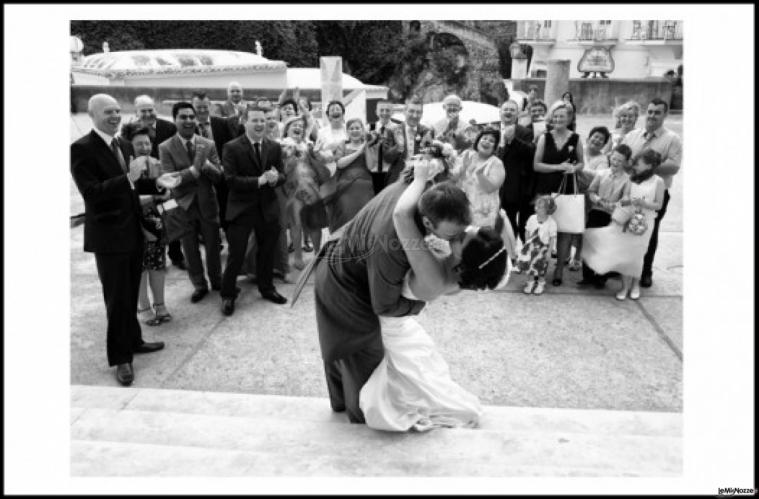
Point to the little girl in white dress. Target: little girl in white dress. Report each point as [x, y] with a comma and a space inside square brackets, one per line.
[412, 386]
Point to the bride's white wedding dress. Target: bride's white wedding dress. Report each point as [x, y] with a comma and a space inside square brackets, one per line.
[412, 386]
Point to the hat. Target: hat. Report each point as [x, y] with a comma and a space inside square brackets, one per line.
[452, 99]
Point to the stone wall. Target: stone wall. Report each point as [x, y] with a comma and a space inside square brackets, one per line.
[601, 96]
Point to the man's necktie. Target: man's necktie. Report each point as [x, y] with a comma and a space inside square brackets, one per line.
[257, 149]
[379, 153]
[410, 141]
[204, 130]
[117, 152]
[190, 151]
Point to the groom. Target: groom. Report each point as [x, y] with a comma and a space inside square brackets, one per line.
[360, 277]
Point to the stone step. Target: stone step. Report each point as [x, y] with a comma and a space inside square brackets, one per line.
[144, 432]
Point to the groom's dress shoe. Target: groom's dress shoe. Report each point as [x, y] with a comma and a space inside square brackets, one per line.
[198, 295]
[149, 347]
[275, 297]
[228, 306]
[125, 374]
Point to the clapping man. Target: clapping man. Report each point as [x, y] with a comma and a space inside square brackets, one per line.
[516, 152]
[160, 130]
[107, 178]
[252, 168]
[384, 151]
[412, 137]
[451, 128]
[195, 159]
[234, 104]
[220, 131]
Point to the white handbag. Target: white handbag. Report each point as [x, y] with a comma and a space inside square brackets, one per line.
[570, 209]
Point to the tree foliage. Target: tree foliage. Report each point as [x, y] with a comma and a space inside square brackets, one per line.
[375, 52]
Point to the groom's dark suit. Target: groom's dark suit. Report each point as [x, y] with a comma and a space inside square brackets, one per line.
[359, 278]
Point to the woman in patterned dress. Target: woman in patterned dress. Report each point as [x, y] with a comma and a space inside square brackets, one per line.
[481, 176]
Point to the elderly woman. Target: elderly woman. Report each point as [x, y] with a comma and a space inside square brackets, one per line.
[481, 175]
[305, 172]
[154, 259]
[558, 156]
[595, 158]
[353, 181]
[626, 116]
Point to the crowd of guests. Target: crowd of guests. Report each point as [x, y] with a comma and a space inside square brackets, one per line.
[266, 179]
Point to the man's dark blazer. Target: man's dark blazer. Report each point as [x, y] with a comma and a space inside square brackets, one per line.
[422, 131]
[111, 207]
[517, 160]
[223, 130]
[163, 130]
[241, 171]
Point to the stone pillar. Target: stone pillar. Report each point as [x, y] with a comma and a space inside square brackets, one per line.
[331, 82]
[557, 80]
[518, 69]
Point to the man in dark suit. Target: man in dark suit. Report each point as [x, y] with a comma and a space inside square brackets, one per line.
[516, 151]
[385, 151]
[221, 131]
[195, 159]
[160, 130]
[252, 168]
[412, 137]
[108, 180]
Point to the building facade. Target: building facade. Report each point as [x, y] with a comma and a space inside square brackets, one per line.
[632, 48]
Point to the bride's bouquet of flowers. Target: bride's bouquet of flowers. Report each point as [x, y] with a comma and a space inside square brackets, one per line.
[442, 156]
[291, 148]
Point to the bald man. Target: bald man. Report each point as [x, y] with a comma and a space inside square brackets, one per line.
[234, 105]
[160, 130]
[109, 180]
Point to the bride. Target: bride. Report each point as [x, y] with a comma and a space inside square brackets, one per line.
[412, 387]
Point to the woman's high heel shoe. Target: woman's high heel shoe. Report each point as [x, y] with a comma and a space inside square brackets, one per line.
[159, 318]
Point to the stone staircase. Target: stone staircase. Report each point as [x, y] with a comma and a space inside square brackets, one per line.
[154, 432]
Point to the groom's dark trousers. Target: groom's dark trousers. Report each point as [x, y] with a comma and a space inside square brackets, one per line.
[358, 278]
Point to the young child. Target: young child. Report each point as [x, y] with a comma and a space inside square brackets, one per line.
[540, 237]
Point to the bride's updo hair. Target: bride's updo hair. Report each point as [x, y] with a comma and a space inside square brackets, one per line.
[483, 260]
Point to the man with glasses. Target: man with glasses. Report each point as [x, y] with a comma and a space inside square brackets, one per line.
[197, 163]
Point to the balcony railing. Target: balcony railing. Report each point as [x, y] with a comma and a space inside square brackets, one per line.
[535, 31]
[593, 31]
[657, 30]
